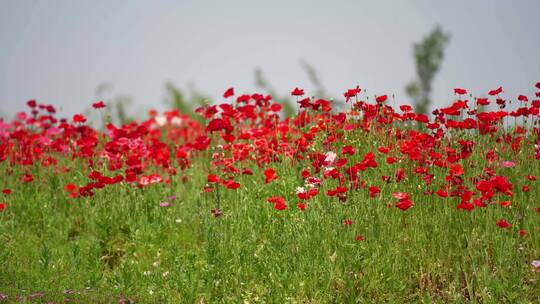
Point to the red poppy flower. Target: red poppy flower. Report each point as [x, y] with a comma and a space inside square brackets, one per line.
[348, 150]
[400, 175]
[390, 160]
[150, 179]
[347, 222]
[456, 170]
[50, 109]
[3, 206]
[464, 205]
[95, 175]
[31, 103]
[243, 98]
[401, 195]
[508, 164]
[297, 92]
[98, 105]
[27, 178]
[337, 191]
[381, 98]
[522, 232]
[280, 206]
[496, 91]
[79, 118]
[523, 98]
[70, 187]
[405, 108]
[460, 91]
[212, 178]
[304, 195]
[228, 93]
[275, 107]
[503, 223]
[7, 191]
[305, 103]
[374, 191]
[275, 199]
[369, 161]
[301, 206]
[231, 184]
[383, 150]
[441, 193]
[269, 175]
[404, 204]
[505, 203]
[278, 201]
[201, 142]
[482, 101]
[351, 93]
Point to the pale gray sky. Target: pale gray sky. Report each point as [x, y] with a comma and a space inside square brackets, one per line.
[58, 51]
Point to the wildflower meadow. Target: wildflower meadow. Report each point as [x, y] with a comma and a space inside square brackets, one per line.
[353, 200]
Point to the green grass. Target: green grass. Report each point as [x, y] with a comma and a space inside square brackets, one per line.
[121, 244]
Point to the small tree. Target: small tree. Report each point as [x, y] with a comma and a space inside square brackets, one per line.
[428, 55]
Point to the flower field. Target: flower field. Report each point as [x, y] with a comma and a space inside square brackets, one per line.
[356, 201]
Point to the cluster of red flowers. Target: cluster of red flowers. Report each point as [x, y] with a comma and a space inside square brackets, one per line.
[247, 132]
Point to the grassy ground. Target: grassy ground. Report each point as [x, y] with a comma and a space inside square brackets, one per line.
[121, 244]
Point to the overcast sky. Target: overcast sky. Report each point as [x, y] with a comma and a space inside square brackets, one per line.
[59, 51]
